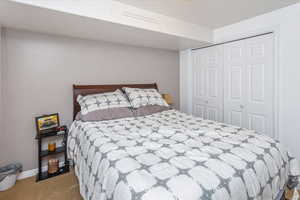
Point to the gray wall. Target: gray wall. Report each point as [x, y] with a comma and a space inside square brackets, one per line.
[39, 71]
[1, 111]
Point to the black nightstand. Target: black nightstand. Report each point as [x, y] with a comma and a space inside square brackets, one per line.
[43, 154]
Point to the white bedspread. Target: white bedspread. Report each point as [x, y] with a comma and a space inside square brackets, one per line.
[174, 156]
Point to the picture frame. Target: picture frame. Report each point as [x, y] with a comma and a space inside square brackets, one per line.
[47, 123]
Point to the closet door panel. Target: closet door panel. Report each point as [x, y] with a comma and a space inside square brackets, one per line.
[214, 84]
[234, 86]
[236, 117]
[207, 83]
[249, 84]
[199, 84]
[257, 122]
[199, 79]
[212, 113]
[199, 110]
[260, 84]
[256, 87]
[234, 83]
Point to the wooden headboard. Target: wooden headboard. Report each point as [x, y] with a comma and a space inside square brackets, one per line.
[95, 89]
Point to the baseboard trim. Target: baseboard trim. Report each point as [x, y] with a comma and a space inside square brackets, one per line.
[33, 172]
[27, 174]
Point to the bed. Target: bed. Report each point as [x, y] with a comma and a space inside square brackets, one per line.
[174, 156]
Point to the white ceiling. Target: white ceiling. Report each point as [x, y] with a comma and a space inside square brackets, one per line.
[211, 13]
[88, 20]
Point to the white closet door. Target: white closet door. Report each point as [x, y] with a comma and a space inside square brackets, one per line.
[234, 84]
[260, 84]
[207, 83]
[248, 94]
[199, 84]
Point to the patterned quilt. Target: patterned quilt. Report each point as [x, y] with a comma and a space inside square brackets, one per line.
[174, 156]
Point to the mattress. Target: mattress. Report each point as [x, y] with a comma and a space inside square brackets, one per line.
[175, 156]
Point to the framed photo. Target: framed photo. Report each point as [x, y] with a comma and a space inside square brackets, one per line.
[47, 123]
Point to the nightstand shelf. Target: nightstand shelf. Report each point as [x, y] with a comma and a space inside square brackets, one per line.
[61, 170]
[58, 150]
[50, 134]
[43, 154]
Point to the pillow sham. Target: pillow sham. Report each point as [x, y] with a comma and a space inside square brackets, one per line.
[149, 110]
[106, 114]
[142, 97]
[102, 101]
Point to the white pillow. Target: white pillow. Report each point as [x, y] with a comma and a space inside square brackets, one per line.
[102, 101]
[143, 97]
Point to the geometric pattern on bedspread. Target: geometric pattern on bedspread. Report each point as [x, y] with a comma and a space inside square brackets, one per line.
[102, 101]
[143, 97]
[171, 156]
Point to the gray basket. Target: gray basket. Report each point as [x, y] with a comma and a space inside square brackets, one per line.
[8, 175]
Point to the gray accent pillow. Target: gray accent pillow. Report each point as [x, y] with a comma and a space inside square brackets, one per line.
[105, 114]
[93, 102]
[142, 97]
[149, 110]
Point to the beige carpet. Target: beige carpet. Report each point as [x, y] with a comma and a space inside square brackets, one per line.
[63, 187]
